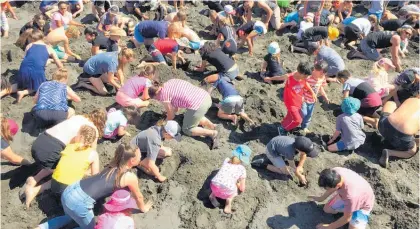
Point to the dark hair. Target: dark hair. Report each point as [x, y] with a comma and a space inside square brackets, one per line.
[154, 89]
[61, 3]
[328, 178]
[344, 74]
[123, 154]
[130, 112]
[304, 68]
[321, 66]
[91, 31]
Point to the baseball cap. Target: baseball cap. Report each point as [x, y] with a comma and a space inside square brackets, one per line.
[406, 78]
[350, 105]
[229, 9]
[173, 129]
[406, 27]
[154, 4]
[305, 145]
[273, 48]
[386, 61]
[260, 27]
[114, 9]
[243, 152]
[120, 201]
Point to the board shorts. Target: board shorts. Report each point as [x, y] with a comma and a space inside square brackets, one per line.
[369, 52]
[232, 104]
[222, 192]
[278, 161]
[394, 139]
[59, 52]
[126, 101]
[46, 150]
[47, 118]
[192, 117]
[359, 218]
[231, 74]
[348, 20]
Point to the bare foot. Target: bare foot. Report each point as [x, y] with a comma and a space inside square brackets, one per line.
[214, 201]
[20, 96]
[30, 195]
[215, 140]
[228, 209]
[31, 182]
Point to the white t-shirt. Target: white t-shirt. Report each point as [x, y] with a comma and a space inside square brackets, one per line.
[68, 129]
[363, 24]
[304, 25]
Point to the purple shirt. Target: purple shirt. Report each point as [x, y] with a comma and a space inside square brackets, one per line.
[134, 86]
[152, 29]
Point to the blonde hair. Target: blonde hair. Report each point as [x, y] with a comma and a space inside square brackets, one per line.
[73, 31]
[225, 22]
[36, 35]
[235, 160]
[373, 19]
[377, 69]
[88, 135]
[60, 74]
[400, 30]
[125, 52]
[98, 117]
[181, 15]
[174, 30]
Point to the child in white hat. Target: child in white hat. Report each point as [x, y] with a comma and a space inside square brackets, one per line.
[272, 65]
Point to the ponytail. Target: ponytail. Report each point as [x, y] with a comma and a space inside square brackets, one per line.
[123, 154]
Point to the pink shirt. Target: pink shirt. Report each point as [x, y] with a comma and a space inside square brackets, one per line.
[229, 175]
[134, 86]
[65, 19]
[356, 192]
[114, 221]
[315, 85]
[182, 94]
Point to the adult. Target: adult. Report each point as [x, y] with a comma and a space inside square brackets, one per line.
[314, 6]
[32, 69]
[334, 60]
[9, 128]
[134, 7]
[79, 199]
[111, 18]
[354, 197]
[176, 94]
[37, 23]
[75, 7]
[398, 127]
[376, 41]
[48, 145]
[194, 41]
[271, 9]
[150, 145]
[395, 24]
[145, 31]
[358, 29]
[315, 34]
[61, 36]
[226, 67]
[63, 18]
[103, 68]
[406, 85]
[248, 33]
[283, 148]
[98, 40]
[51, 100]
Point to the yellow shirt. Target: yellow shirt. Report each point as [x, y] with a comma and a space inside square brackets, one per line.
[72, 165]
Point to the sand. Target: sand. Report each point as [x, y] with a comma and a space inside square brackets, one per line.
[270, 201]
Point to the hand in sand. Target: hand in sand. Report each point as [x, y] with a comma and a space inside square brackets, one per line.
[302, 178]
[315, 198]
[322, 226]
[147, 206]
[77, 56]
[326, 100]
[161, 178]
[267, 79]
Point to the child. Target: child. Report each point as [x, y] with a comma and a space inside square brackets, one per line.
[349, 126]
[118, 212]
[230, 178]
[317, 82]
[232, 103]
[293, 95]
[378, 77]
[272, 66]
[249, 31]
[128, 95]
[9, 128]
[344, 11]
[5, 6]
[76, 159]
[308, 22]
[116, 122]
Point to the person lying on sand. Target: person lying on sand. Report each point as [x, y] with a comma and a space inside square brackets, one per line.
[9, 128]
[353, 197]
[406, 85]
[230, 177]
[283, 148]
[150, 144]
[398, 127]
[60, 36]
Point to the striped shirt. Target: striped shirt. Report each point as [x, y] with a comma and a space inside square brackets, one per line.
[182, 94]
[52, 95]
[315, 85]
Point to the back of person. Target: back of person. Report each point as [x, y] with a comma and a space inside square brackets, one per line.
[380, 39]
[229, 44]
[182, 94]
[100, 185]
[166, 46]
[359, 89]
[356, 189]
[229, 174]
[71, 127]
[36, 57]
[101, 63]
[72, 165]
[282, 146]
[315, 33]
[293, 91]
[351, 128]
[225, 88]
[134, 86]
[331, 57]
[392, 25]
[363, 24]
[273, 66]
[151, 29]
[52, 95]
[220, 60]
[115, 119]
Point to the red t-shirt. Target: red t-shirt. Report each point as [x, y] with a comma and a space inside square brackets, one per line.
[166, 46]
[293, 91]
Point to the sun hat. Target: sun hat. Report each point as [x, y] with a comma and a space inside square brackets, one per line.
[243, 152]
[333, 33]
[173, 129]
[229, 10]
[305, 145]
[154, 4]
[386, 61]
[13, 126]
[120, 201]
[309, 15]
[116, 31]
[260, 27]
[350, 105]
[183, 41]
[273, 48]
[114, 9]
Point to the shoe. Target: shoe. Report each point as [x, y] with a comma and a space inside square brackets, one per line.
[384, 160]
[282, 131]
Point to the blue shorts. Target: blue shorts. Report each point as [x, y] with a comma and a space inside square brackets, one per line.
[341, 146]
[359, 218]
[195, 45]
[137, 35]
[348, 20]
[156, 54]
[230, 75]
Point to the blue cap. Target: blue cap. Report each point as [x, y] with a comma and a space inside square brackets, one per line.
[242, 152]
[350, 105]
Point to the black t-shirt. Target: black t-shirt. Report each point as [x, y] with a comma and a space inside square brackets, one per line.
[379, 40]
[273, 66]
[247, 28]
[229, 44]
[112, 46]
[392, 25]
[220, 60]
[315, 33]
[29, 25]
[362, 91]
[101, 41]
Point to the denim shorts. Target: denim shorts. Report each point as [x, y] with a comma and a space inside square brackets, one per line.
[156, 54]
[370, 53]
[78, 205]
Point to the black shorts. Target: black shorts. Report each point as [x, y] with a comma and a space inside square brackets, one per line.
[394, 139]
[87, 76]
[48, 118]
[46, 150]
[368, 111]
[57, 188]
[352, 32]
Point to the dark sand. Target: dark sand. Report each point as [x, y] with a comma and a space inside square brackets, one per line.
[182, 201]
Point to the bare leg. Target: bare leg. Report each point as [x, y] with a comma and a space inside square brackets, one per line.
[329, 210]
[164, 152]
[98, 86]
[333, 148]
[386, 153]
[21, 94]
[247, 118]
[228, 206]
[32, 192]
[8, 91]
[213, 200]
[231, 117]
[198, 131]
[274, 169]
[212, 78]
[41, 175]
[70, 112]
[371, 121]
[204, 122]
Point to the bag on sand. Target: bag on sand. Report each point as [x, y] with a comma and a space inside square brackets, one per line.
[260, 161]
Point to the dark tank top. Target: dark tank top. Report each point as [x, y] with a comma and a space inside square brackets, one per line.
[380, 39]
[99, 186]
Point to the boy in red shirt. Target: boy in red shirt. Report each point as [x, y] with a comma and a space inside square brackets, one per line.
[293, 95]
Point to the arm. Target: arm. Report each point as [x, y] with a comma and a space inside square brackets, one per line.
[154, 169]
[58, 23]
[342, 221]
[335, 136]
[324, 94]
[72, 22]
[170, 111]
[12, 11]
[324, 196]
[132, 183]
[173, 58]
[94, 50]
[72, 95]
[112, 81]
[395, 40]
[263, 66]
[309, 88]
[94, 166]
[267, 10]
[120, 75]
[301, 162]
[80, 9]
[145, 95]
[210, 90]
[305, 7]
[55, 58]
[339, 11]
[122, 131]
[248, 13]
[346, 94]
[67, 49]
[276, 78]
[249, 41]
[202, 67]
[36, 97]
[241, 185]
